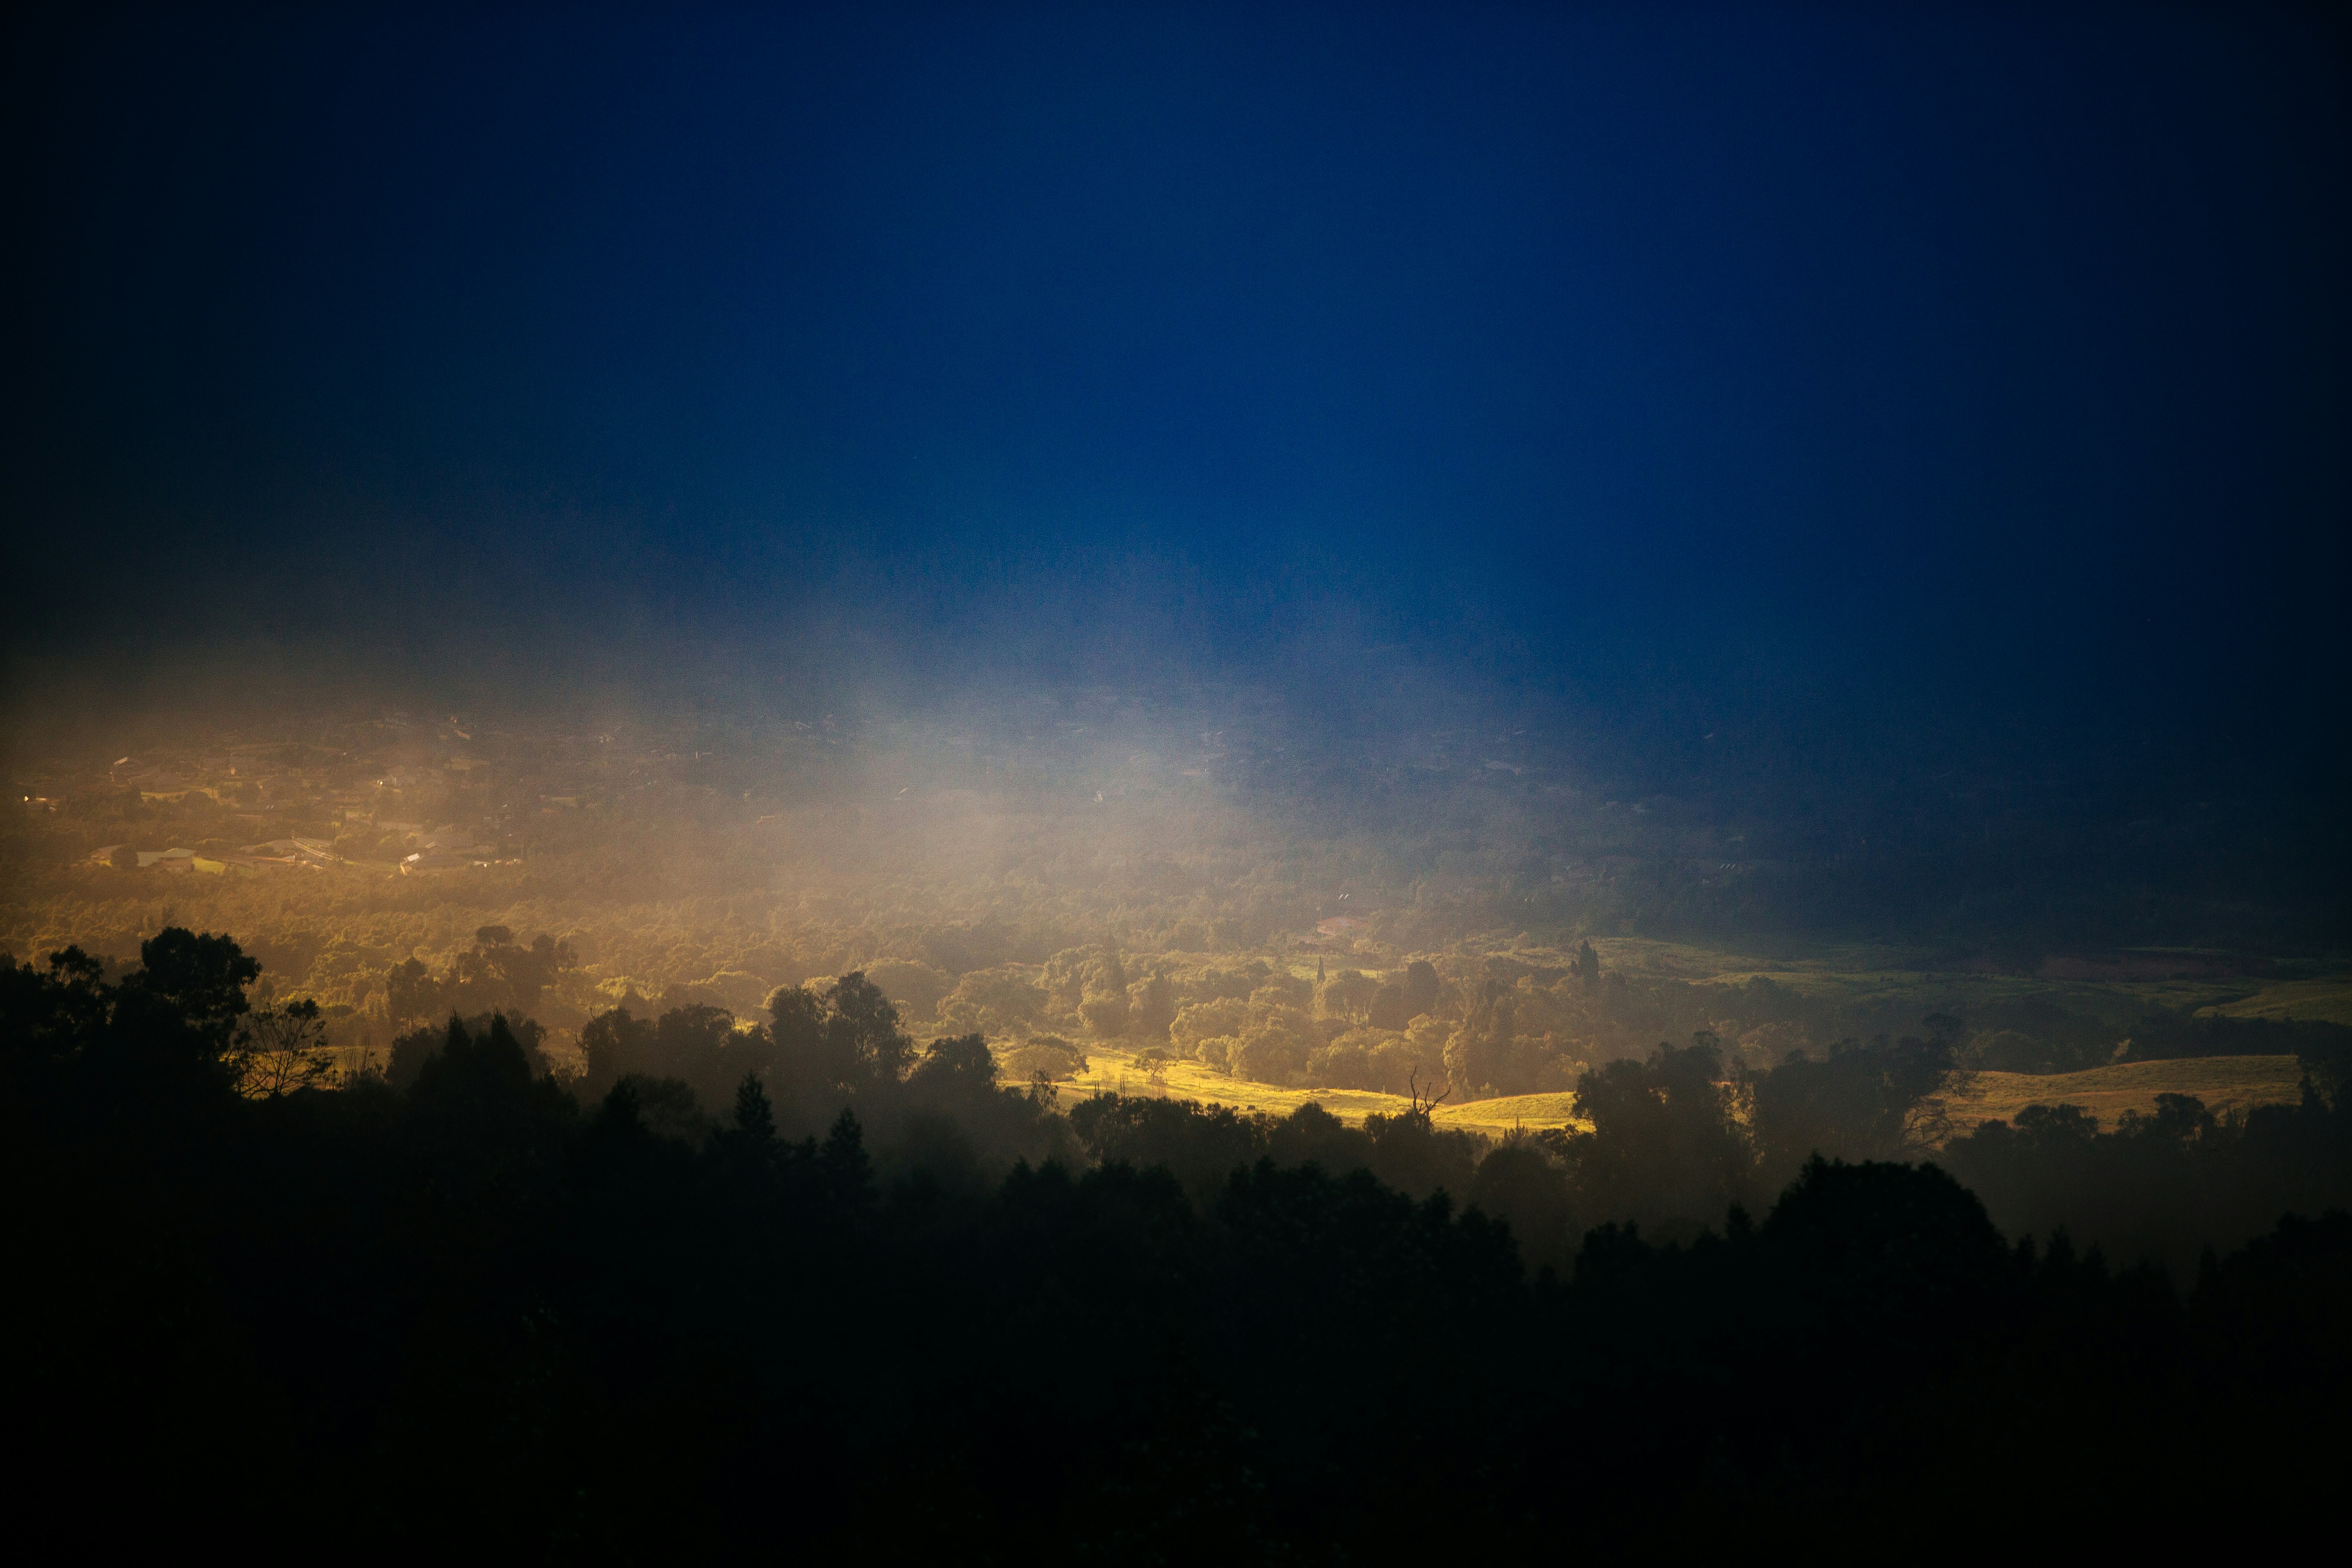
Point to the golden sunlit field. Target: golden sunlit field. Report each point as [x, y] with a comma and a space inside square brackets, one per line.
[2224, 1083]
[1120, 1072]
[2327, 1001]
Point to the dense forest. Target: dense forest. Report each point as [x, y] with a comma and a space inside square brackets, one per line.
[811, 1288]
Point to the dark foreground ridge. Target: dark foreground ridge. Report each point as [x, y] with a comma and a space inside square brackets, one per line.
[462, 1312]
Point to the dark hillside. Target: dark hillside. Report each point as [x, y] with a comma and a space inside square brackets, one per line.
[476, 1308]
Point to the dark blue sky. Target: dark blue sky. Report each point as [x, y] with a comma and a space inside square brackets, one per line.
[1983, 365]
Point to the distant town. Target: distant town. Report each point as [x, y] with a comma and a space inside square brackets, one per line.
[412, 795]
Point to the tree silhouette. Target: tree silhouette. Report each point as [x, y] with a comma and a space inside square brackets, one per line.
[281, 1049]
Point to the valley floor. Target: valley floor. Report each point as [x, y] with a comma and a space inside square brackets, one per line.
[2225, 1084]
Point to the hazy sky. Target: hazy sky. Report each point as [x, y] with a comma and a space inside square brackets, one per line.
[1974, 363]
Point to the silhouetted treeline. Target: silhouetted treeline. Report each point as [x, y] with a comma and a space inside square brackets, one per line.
[2167, 1185]
[2184, 1032]
[469, 1312]
[1674, 1142]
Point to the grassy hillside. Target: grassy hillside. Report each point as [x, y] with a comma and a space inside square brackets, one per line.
[1117, 1071]
[2223, 1083]
[1502, 1115]
[2327, 1001]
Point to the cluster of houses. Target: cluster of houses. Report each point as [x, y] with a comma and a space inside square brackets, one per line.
[254, 858]
[335, 786]
[155, 782]
[442, 849]
[254, 793]
[446, 849]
